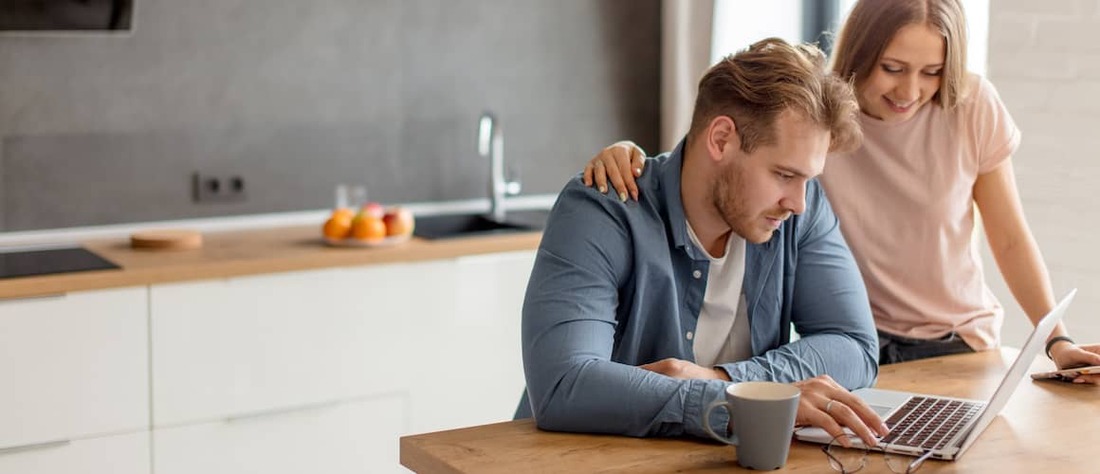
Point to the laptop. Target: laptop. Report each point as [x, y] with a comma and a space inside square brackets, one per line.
[944, 427]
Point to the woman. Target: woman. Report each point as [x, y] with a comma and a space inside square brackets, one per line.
[937, 142]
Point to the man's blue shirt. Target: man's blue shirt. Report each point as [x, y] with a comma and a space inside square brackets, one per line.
[617, 285]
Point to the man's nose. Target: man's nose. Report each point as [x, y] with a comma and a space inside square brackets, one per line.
[795, 199]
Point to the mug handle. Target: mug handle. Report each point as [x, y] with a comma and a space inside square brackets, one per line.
[706, 422]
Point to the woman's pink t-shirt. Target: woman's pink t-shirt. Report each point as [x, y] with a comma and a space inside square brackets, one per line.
[905, 202]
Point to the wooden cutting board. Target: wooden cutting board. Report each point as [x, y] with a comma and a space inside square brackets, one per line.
[166, 239]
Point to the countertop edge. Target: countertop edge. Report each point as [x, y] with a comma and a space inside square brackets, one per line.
[251, 252]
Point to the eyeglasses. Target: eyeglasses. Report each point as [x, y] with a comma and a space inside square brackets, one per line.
[849, 460]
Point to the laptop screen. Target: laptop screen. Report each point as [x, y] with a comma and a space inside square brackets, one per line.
[1019, 368]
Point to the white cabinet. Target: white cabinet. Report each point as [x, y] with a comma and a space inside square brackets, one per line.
[311, 371]
[244, 345]
[359, 436]
[119, 454]
[73, 366]
[475, 358]
[323, 370]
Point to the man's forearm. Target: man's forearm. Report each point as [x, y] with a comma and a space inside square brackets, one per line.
[839, 356]
[605, 397]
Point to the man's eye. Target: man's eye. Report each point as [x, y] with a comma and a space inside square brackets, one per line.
[784, 176]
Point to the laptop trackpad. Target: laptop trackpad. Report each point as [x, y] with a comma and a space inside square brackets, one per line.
[883, 401]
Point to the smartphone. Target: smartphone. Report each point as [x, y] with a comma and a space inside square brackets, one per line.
[1066, 375]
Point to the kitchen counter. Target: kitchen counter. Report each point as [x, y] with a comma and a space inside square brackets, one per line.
[249, 252]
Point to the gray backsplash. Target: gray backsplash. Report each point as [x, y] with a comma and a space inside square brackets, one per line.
[297, 97]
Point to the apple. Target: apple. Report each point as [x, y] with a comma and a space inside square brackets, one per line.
[373, 209]
[399, 221]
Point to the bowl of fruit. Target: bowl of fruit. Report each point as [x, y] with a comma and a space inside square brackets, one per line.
[372, 225]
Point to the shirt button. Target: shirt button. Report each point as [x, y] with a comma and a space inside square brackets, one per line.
[697, 274]
[689, 335]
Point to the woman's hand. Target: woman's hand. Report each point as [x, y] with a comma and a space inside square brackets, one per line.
[620, 163]
[1068, 356]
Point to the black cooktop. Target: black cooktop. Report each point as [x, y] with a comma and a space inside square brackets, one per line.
[21, 263]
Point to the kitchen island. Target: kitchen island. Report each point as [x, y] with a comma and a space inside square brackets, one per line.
[263, 351]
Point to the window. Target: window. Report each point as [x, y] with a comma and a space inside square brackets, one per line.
[738, 23]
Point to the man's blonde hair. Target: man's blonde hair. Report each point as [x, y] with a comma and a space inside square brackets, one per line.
[754, 86]
[873, 23]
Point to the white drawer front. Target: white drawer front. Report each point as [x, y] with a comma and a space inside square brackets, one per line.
[354, 437]
[73, 365]
[228, 347]
[120, 454]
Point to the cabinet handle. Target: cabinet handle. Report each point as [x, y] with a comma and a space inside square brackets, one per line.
[16, 299]
[284, 411]
[35, 446]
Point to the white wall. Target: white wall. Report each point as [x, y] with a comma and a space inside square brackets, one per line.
[1044, 59]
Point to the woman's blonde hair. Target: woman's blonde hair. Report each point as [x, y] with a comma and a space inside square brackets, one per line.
[754, 86]
[873, 23]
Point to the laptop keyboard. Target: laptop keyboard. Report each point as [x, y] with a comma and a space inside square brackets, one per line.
[929, 423]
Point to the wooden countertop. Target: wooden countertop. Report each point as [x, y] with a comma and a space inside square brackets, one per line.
[229, 254]
[1046, 427]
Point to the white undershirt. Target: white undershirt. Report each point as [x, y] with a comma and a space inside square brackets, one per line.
[722, 332]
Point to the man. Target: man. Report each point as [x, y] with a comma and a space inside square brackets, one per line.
[639, 314]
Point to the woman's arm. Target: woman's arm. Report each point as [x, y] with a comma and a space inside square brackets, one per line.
[620, 163]
[1021, 264]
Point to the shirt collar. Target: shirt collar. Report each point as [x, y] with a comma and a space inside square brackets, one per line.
[668, 179]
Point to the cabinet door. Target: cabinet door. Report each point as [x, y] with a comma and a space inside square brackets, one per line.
[355, 437]
[479, 341]
[244, 345]
[73, 365]
[119, 454]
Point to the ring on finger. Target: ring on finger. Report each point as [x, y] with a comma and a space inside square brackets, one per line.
[829, 406]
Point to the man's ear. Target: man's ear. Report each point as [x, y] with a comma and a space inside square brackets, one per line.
[721, 134]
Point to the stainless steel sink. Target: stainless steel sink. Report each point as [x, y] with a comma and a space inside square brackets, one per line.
[448, 226]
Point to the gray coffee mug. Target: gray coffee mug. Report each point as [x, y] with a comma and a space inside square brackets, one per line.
[762, 416]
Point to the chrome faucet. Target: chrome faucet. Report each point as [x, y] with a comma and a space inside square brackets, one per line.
[490, 144]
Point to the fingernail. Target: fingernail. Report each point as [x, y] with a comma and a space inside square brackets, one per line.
[603, 189]
[845, 442]
[622, 197]
[634, 195]
[637, 171]
[885, 430]
[1078, 380]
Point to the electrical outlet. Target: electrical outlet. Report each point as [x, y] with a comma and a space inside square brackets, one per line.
[208, 188]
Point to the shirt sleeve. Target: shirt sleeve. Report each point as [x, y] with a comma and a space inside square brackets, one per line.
[829, 309]
[993, 133]
[568, 333]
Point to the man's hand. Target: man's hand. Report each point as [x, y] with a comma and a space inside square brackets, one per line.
[824, 403]
[1068, 356]
[682, 369]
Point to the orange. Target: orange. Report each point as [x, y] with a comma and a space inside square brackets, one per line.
[368, 228]
[343, 212]
[337, 227]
